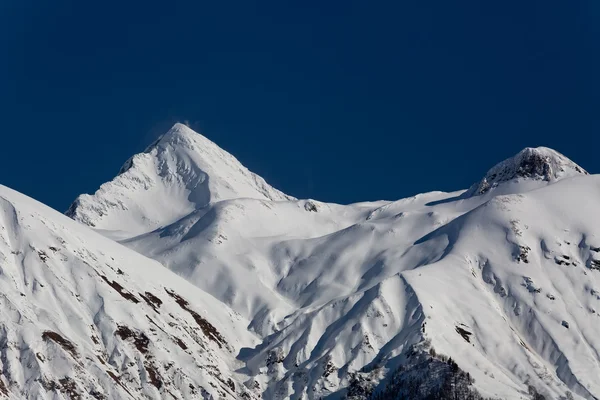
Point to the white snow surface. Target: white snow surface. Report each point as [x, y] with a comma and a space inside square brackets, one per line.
[308, 295]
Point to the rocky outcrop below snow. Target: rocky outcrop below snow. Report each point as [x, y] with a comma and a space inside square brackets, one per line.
[541, 164]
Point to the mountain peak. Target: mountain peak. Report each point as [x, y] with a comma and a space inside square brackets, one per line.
[181, 135]
[180, 172]
[536, 164]
[181, 132]
[182, 128]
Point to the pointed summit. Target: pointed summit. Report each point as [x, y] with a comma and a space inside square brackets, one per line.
[535, 164]
[180, 172]
[181, 135]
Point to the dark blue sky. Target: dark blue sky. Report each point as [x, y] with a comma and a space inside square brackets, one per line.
[339, 101]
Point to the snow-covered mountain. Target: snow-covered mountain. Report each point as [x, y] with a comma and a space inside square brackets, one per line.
[179, 173]
[492, 291]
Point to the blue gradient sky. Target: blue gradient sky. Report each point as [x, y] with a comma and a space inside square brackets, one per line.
[338, 101]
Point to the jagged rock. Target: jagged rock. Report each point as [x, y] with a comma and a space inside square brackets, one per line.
[539, 163]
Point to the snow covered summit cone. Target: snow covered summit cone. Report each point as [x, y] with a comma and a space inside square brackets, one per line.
[179, 173]
[537, 164]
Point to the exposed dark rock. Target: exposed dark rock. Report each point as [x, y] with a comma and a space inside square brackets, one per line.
[528, 283]
[97, 395]
[534, 393]
[119, 289]
[69, 387]
[58, 339]
[207, 328]
[563, 260]
[361, 386]
[49, 385]
[42, 255]
[594, 264]
[95, 339]
[118, 381]
[310, 206]
[140, 340]
[3, 388]
[464, 333]
[329, 369]
[531, 163]
[151, 300]
[231, 384]
[153, 375]
[275, 357]
[522, 254]
[181, 343]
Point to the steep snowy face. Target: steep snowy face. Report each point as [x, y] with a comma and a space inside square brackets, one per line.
[181, 172]
[82, 317]
[534, 164]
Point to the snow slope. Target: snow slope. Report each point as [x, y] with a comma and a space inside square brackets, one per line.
[502, 277]
[82, 317]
